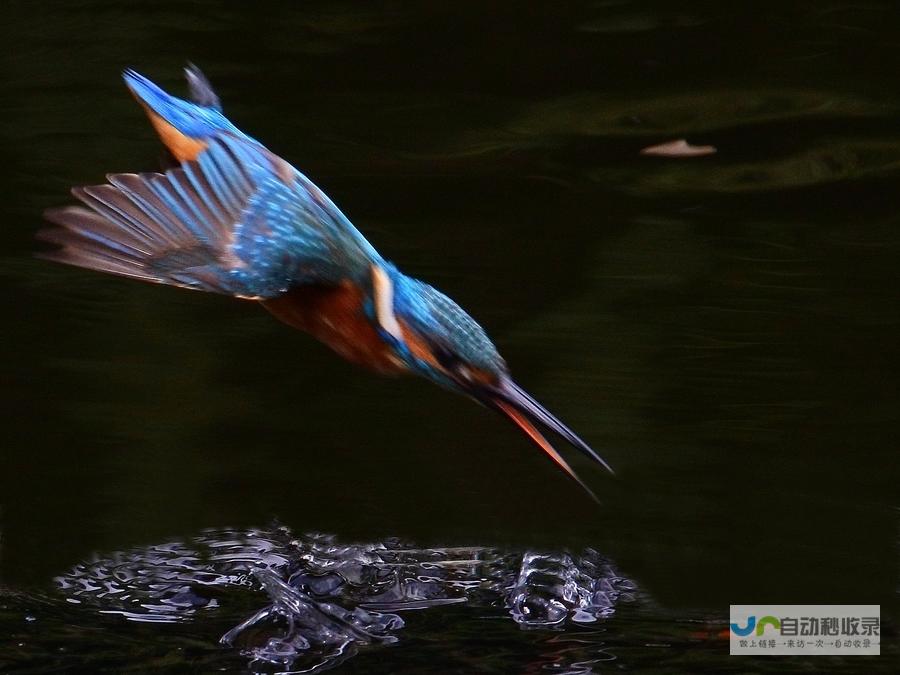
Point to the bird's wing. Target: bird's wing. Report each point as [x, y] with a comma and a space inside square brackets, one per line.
[237, 220]
[202, 92]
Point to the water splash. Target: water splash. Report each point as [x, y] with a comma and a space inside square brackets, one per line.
[326, 599]
[554, 587]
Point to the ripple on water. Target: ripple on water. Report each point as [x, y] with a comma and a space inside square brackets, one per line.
[325, 599]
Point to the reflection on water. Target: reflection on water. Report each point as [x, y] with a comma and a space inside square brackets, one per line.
[327, 598]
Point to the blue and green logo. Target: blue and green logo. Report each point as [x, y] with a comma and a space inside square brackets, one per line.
[760, 626]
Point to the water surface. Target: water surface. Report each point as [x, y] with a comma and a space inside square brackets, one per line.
[723, 329]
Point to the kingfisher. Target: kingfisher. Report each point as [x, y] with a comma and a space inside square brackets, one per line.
[232, 217]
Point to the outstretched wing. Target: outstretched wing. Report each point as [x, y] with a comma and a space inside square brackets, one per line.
[237, 220]
[202, 92]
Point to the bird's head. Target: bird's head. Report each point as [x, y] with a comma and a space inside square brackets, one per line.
[435, 338]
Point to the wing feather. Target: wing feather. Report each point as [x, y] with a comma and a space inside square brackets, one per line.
[236, 220]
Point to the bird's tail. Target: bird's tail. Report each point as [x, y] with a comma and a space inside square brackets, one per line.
[185, 127]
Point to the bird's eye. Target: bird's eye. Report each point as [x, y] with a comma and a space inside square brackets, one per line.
[447, 359]
[453, 364]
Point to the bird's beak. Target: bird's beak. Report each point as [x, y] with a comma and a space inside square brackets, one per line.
[525, 412]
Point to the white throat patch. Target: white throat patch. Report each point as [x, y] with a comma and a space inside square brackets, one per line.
[383, 288]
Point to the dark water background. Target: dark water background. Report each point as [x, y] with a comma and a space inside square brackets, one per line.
[724, 329]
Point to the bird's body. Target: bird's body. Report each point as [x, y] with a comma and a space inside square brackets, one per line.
[234, 218]
[335, 316]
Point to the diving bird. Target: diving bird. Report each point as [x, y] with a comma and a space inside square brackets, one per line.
[231, 217]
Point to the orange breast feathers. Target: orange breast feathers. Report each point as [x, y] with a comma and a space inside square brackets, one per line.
[334, 315]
